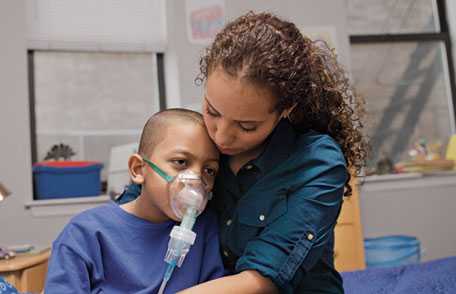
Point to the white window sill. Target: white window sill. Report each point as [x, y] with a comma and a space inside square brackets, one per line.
[64, 207]
[408, 182]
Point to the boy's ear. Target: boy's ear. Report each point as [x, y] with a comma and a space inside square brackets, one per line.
[135, 168]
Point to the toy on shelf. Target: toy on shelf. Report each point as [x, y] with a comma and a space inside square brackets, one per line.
[425, 157]
[60, 152]
[6, 253]
[451, 149]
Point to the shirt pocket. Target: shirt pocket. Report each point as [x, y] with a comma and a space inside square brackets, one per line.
[253, 217]
[263, 210]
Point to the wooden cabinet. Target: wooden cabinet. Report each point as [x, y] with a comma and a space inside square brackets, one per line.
[26, 272]
[349, 244]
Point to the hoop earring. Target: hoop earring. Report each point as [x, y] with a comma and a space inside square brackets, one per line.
[289, 112]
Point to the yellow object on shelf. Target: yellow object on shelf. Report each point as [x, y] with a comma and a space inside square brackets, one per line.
[451, 149]
[423, 166]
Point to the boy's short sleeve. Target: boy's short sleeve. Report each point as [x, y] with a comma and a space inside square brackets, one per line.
[67, 272]
[213, 265]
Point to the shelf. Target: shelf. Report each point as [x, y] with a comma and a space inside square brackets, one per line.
[391, 177]
[408, 181]
[64, 207]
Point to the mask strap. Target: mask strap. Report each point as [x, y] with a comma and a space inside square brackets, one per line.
[158, 170]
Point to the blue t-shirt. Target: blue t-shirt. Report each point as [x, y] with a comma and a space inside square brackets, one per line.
[107, 250]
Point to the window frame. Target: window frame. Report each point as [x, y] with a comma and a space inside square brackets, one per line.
[443, 36]
[72, 206]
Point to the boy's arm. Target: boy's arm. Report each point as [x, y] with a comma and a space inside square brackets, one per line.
[212, 267]
[67, 272]
[246, 282]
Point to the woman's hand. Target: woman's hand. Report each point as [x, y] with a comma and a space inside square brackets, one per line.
[246, 282]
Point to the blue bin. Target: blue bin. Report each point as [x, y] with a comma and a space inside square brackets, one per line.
[53, 180]
[389, 251]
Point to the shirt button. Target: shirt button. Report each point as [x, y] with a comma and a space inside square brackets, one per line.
[225, 253]
[228, 222]
[261, 217]
[248, 167]
[310, 236]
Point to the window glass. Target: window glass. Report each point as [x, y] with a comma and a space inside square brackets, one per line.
[407, 93]
[92, 101]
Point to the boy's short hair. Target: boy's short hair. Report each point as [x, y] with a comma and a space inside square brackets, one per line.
[156, 126]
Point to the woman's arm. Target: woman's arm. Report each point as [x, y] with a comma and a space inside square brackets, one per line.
[246, 282]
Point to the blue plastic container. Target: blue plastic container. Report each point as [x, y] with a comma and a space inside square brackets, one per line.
[53, 180]
[392, 251]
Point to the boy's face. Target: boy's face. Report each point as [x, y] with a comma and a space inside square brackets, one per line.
[185, 146]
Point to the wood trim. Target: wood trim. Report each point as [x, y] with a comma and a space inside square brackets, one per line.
[22, 261]
[349, 240]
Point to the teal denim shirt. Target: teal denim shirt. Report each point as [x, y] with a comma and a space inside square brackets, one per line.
[277, 215]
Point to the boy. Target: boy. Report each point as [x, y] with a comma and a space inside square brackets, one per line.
[121, 249]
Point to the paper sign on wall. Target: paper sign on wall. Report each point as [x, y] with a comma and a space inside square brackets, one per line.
[205, 18]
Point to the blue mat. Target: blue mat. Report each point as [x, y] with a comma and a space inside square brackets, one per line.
[434, 277]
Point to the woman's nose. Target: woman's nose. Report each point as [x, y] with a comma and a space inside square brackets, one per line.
[224, 134]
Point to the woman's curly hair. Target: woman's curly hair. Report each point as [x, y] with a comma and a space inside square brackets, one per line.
[303, 74]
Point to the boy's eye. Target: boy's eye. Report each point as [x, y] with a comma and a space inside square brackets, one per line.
[248, 127]
[180, 163]
[210, 171]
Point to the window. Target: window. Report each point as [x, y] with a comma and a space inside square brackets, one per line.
[402, 65]
[92, 101]
[366, 17]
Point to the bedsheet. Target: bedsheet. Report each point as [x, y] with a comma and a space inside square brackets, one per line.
[433, 277]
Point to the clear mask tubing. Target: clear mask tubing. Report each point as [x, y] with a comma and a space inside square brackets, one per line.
[188, 198]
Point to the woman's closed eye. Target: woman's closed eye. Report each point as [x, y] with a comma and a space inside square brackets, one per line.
[211, 112]
[248, 127]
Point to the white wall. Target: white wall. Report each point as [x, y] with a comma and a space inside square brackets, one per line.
[17, 224]
[421, 207]
[183, 57]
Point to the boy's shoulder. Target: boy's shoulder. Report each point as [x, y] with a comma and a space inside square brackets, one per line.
[99, 214]
[86, 223]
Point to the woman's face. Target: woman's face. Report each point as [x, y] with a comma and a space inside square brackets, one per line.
[239, 115]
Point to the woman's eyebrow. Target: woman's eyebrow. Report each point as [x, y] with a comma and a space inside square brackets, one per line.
[238, 121]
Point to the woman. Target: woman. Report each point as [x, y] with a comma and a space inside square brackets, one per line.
[282, 112]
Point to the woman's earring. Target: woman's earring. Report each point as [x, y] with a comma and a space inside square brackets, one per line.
[287, 113]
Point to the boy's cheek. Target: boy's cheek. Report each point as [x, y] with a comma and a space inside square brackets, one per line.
[165, 205]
